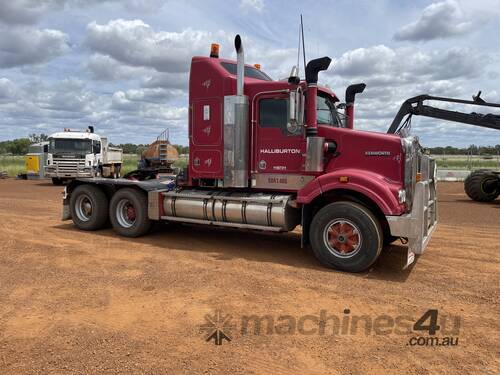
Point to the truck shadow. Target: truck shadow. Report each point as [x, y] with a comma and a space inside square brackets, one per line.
[228, 244]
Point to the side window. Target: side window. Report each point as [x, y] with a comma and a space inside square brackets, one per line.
[273, 113]
[326, 112]
[97, 147]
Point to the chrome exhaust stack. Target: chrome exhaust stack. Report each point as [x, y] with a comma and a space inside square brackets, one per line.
[240, 65]
[315, 145]
[236, 128]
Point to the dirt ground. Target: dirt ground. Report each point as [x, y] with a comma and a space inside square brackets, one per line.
[92, 303]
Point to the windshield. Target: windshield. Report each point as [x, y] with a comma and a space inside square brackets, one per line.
[76, 146]
[249, 71]
[327, 112]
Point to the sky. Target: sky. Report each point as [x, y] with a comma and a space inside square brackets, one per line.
[123, 65]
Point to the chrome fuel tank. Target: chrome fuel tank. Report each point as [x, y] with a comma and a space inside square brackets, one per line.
[257, 211]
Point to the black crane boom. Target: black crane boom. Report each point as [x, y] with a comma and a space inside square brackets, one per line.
[415, 106]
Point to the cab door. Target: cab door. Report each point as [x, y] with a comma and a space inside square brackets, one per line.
[279, 149]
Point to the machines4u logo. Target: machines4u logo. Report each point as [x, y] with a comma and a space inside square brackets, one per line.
[217, 327]
[430, 329]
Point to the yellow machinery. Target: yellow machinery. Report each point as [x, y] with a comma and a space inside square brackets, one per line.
[35, 160]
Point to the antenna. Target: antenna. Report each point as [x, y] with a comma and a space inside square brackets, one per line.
[303, 45]
[298, 56]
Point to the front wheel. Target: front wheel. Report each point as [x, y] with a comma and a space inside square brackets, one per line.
[128, 212]
[346, 236]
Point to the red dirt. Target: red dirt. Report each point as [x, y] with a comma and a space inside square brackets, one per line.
[92, 302]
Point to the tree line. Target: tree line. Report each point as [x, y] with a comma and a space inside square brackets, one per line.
[20, 146]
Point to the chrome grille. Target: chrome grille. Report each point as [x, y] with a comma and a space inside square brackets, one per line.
[69, 165]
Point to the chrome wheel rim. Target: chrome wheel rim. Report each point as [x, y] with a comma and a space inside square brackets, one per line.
[125, 213]
[342, 238]
[83, 207]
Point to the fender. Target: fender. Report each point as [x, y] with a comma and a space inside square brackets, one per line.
[374, 186]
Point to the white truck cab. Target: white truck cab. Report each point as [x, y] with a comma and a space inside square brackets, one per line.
[76, 154]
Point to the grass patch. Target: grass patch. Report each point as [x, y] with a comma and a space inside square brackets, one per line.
[13, 165]
[464, 163]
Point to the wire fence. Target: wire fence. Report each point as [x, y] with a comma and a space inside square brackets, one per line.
[469, 161]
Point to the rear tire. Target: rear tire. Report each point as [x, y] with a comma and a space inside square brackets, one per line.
[128, 212]
[57, 181]
[482, 185]
[89, 207]
[346, 236]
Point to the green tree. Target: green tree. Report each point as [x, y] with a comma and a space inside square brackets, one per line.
[18, 146]
[36, 138]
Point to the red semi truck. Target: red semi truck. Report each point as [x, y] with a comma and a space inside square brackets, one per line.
[273, 155]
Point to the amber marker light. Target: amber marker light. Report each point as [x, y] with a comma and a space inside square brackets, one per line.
[214, 50]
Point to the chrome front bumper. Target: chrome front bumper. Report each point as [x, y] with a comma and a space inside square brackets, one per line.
[66, 174]
[419, 225]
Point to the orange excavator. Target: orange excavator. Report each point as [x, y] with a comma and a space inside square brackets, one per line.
[156, 161]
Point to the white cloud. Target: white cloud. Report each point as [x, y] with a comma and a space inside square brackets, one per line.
[105, 68]
[49, 108]
[166, 80]
[8, 90]
[135, 43]
[254, 5]
[26, 46]
[383, 65]
[439, 20]
[26, 12]
[29, 12]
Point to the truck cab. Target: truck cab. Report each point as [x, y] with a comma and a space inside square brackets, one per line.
[75, 154]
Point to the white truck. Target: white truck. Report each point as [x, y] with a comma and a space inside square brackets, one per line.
[76, 154]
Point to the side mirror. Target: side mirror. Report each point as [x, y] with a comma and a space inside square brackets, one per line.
[296, 111]
[45, 148]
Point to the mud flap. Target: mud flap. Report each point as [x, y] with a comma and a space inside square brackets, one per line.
[306, 224]
[66, 213]
[410, 258]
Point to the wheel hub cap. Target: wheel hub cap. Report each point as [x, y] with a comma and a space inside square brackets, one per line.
[131, 213]
[125, 213]
[343, 238]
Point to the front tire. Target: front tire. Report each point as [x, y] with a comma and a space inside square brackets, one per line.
[346, 236]
[128, 212]
[89, 207]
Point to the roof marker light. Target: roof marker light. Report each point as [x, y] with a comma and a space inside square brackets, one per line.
[214, 50]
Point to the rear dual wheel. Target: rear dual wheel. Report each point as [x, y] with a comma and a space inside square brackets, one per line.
[128, 212]
[346, 236]
[89, 207]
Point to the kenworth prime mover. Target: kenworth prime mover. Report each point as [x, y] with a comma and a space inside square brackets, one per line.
[273, 155]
